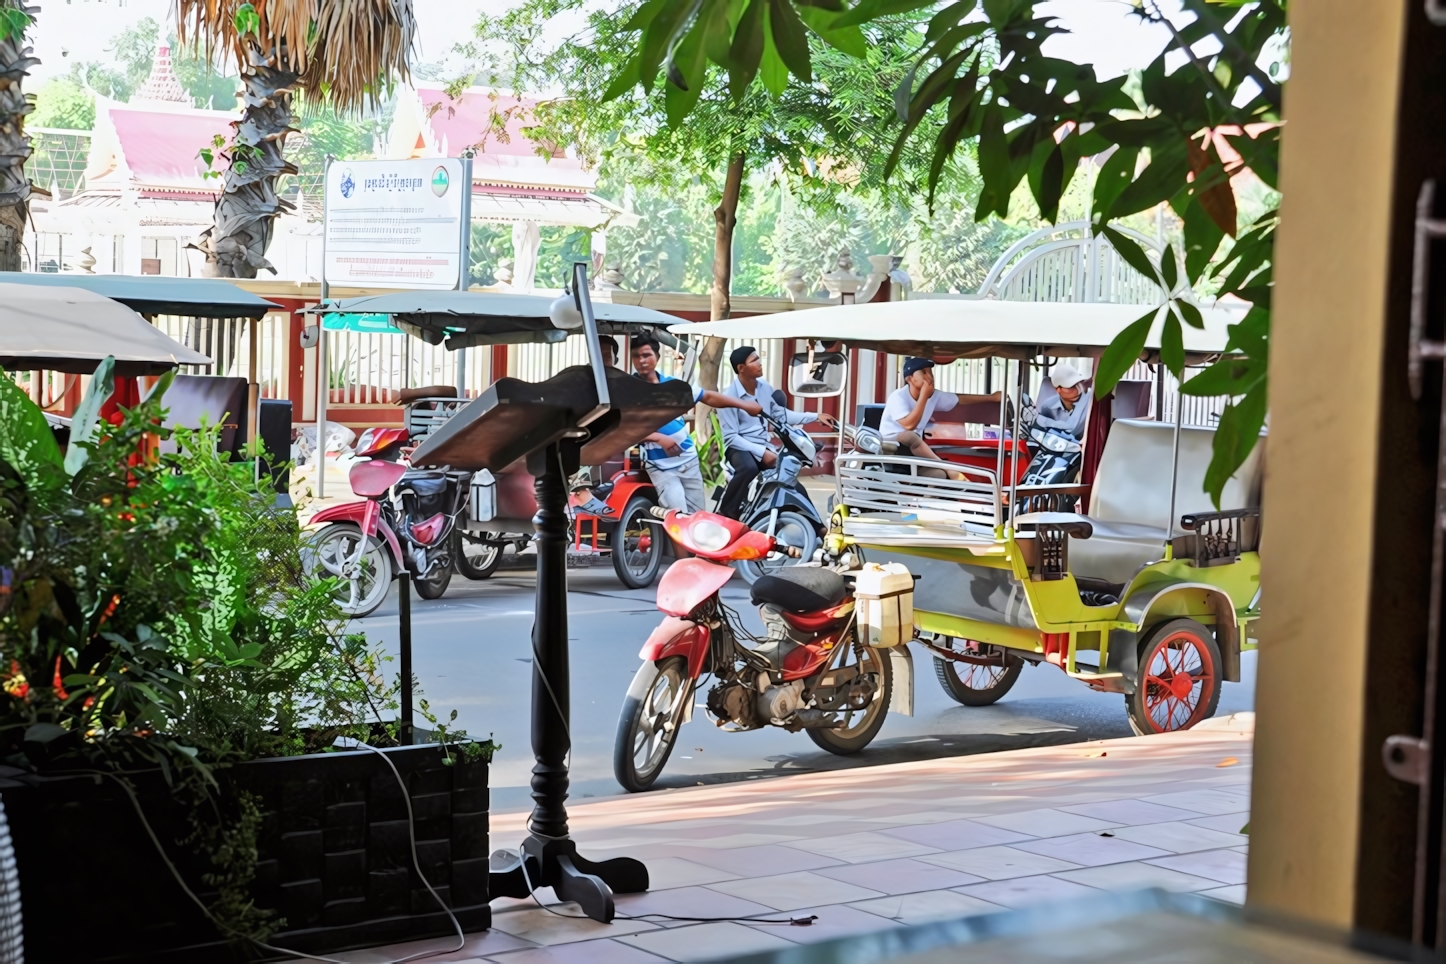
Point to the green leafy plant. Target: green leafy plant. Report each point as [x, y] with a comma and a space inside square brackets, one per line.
[156, 617]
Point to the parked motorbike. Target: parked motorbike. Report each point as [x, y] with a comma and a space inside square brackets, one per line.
[808, 672]
[1057, 458]
[781, 507]
[408, 519]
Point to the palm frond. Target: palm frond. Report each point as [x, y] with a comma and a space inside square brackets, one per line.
[346, 52]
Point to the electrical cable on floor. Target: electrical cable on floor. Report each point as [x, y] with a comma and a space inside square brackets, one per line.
[532, 892]
[416, 863]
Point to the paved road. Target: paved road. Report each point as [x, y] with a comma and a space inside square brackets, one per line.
[472, 652]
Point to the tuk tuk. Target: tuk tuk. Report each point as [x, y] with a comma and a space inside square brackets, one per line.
[1131, 583]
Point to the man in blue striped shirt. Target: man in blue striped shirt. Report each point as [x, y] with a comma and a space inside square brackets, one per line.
[669, 454]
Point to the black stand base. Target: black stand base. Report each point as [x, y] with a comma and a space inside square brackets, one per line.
[549, 856]
[555, 863]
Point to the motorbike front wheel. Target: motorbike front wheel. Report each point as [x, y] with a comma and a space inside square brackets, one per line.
[793, 529]
[645, 738]
[342, 551]
[860, 726]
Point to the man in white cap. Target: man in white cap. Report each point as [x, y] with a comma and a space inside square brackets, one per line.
[1069, 409]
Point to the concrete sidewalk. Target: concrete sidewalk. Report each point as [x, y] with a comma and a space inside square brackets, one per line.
[889, 846]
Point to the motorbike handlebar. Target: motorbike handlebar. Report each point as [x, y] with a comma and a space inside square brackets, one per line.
[658, 512]
[793, 552]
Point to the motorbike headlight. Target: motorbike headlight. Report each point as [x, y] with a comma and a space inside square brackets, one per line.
[708, 535]
[870, 443]
[1054, 443]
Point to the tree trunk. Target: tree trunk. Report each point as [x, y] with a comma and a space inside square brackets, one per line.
[15, 64]
[246, 212]
[725, 219]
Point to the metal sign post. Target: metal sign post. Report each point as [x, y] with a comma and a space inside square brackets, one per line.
[322, 376]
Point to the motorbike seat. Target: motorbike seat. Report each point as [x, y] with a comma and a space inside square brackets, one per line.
[800, 589]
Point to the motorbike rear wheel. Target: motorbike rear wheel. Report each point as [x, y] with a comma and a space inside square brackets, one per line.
[644, 742]
[860, 726]
[637, 544]
[341, 551]
[793, 529]
[473, 557]
[434, 583]
[973, 684]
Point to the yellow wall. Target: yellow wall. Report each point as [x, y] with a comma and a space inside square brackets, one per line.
[1340, 107]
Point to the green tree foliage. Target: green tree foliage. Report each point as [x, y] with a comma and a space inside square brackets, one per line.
[825, 133]
[981, 76]
[63, 103]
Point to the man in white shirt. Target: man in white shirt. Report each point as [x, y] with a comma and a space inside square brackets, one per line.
[745, 436]
[910, 408]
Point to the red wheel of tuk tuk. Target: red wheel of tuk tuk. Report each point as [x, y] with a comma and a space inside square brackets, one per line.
[1178, 681]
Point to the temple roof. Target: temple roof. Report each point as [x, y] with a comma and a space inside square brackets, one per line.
[154, 147]
[431, 123]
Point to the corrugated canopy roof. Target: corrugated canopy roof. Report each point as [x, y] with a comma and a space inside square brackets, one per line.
[466, 318]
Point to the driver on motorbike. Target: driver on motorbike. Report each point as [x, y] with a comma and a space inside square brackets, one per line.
[745, 436]
[1069, 410]
[668, 453]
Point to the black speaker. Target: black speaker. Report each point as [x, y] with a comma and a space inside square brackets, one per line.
[274, 430]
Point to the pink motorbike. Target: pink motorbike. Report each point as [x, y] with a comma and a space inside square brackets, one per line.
[409, 519]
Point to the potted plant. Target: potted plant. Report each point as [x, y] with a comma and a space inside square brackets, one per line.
[173, 687]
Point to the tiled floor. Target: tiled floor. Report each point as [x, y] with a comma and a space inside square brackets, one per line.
[878, 847]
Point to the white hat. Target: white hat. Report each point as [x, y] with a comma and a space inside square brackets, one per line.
[1065, 375]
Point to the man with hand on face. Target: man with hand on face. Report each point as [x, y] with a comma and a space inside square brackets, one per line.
[669, 453]
[911, 407]
[745, 435]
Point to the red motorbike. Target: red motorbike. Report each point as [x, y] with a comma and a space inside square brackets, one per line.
[808, 672]
[408, 520]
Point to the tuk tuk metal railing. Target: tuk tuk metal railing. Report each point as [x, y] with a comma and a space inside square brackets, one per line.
[908, 488]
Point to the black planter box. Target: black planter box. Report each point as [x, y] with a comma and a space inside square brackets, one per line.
[334, 858]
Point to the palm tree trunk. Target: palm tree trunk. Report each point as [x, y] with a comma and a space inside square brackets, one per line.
[15, 64]
[246, 212]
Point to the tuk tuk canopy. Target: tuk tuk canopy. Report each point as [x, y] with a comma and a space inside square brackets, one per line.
[156, 295]
[972, 329]
[462, 319]
[71, 330]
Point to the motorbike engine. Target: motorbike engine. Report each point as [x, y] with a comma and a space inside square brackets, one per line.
[744, 706]
[734, 702]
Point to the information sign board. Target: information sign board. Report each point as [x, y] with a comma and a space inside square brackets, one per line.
[395, 224]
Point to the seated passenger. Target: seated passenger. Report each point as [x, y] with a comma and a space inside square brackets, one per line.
[1069, 409]
[910, 410]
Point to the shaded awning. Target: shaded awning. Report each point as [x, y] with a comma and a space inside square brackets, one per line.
[462, 319]
[971, 329]
[156, 295]
[64, 329]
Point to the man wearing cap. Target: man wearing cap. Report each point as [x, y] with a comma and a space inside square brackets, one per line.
[745, 436]
[910, 408]
[1068, 411]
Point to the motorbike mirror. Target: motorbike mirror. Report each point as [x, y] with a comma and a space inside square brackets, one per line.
[818, 374]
